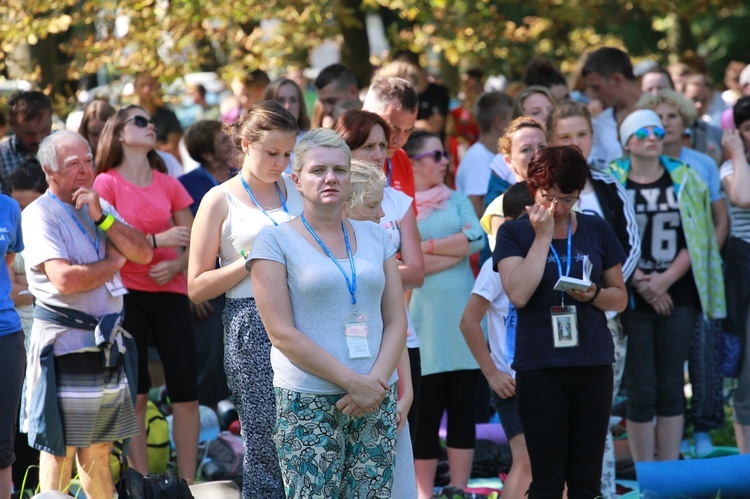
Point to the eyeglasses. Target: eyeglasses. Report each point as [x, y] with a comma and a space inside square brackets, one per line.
[437, 155]
[141, 121]
[566, 200]
[643, 133]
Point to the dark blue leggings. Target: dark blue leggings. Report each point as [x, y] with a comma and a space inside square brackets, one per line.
[658, 347]
[12, 365]
[565, 417]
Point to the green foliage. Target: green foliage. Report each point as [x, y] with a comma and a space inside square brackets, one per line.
[171, 37]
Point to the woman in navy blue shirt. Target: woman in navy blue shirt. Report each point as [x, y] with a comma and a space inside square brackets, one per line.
[564, 350]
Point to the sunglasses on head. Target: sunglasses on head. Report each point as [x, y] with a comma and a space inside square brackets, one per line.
[141, 121]
[643, 133]
[437, 155]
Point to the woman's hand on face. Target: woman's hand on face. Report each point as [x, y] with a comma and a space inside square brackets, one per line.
[174, 237]
[732, 143]
[542, 219]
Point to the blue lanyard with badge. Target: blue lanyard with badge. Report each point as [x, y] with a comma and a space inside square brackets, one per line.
[114, 285]
[564, 318]
[355, 326]
[263, 210]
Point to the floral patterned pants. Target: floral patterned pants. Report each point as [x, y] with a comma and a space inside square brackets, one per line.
[324, 453]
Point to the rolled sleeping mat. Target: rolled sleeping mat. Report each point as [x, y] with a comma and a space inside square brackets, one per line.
[726, 477]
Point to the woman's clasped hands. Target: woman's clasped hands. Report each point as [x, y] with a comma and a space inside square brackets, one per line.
[364, 395]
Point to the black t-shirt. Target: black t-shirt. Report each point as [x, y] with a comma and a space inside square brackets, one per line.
[534, 343]
[657, 211]
[434, 100]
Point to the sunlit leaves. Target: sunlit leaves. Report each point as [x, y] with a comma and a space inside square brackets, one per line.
[172, 37]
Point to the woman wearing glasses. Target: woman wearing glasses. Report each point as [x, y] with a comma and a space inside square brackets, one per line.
[450, 232]
[563, 351]
[132, 177]
[570, 124]
[675, 277]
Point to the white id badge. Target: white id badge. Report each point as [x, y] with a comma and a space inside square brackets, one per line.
[564, 326]
[356, 332]
[115, 286]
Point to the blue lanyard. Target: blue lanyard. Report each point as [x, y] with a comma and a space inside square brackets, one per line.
[388, 172]
[570, 257]
[352, 285]
[93, 242]
[208, 176]
[281, 197]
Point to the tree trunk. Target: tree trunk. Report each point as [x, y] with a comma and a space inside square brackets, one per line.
[355, 51]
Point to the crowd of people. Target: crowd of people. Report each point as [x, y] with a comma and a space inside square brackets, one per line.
[330, 272]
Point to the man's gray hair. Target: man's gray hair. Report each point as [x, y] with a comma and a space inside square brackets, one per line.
[47, 154]
[384, 90]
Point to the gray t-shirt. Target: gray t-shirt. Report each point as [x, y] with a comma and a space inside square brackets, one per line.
[320, 298]
[50, 233]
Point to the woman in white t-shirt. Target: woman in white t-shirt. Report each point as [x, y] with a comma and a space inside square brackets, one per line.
[367, 136]
[229, 218]
[368, 201]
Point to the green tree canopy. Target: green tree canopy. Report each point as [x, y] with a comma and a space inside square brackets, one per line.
[73, 38]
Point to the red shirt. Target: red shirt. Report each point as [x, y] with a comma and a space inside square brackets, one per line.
[400, 174]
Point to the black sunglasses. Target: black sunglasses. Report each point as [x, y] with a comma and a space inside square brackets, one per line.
[141, 122]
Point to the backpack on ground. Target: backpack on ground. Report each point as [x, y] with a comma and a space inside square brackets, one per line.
[224, 456]
[167, 485]
[157, 439]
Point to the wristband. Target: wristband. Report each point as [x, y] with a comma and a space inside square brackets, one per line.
[153, 239]
[430, 246]
[596, 293]
[108, 221]
[101, 219]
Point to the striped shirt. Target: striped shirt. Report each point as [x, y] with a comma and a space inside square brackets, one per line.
[740, 217]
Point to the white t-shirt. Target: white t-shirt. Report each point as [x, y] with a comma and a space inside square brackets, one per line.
[50, 231]
[502, 170]
[242, 225]
[395, 206]
[174, 167]
[740, 217]
[474, 170]
[606, 145]
[501, 315]
[589, 204]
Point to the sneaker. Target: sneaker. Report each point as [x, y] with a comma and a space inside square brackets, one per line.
[685, 448]
[703, 445]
